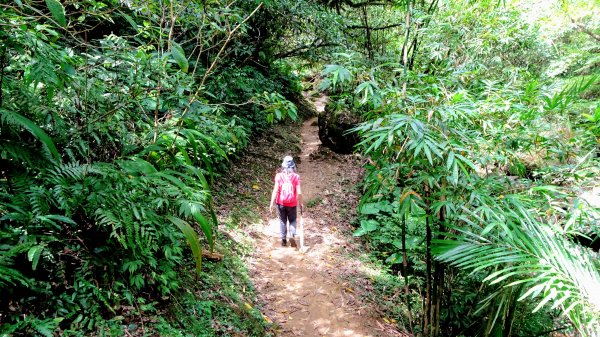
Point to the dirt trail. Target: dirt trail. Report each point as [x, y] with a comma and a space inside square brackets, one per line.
[302, 292]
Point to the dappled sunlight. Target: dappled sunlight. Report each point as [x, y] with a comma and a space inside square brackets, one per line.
[300, 289]
[369, 270]
[307, 300]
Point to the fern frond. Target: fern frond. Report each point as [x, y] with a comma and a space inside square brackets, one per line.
[17, 152]
[15, 119]
[107, 218]
[10, 277]
[65, 172]
[38, 200]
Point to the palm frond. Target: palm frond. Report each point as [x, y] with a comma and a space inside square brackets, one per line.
[525, 253]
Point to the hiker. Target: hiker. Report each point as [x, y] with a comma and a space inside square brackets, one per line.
[287, 194]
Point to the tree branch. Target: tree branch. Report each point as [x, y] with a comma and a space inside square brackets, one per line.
[366, 3]
[375, 28]
[299, 50]
[586, 30]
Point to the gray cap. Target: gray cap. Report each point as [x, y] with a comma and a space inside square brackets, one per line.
[288, 162]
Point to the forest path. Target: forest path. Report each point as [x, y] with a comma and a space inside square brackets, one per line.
[303, 293]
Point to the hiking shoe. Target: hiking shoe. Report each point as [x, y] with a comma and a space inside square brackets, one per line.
[283, 243]
[293, 242]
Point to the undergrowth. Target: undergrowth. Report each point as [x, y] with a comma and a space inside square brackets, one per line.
[218, 303]
[222, 301]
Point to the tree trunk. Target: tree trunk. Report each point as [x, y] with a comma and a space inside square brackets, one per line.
[427, 316]
[405, 47]
[405, 274]
[368, 44]
[510, 317]
[438, 279]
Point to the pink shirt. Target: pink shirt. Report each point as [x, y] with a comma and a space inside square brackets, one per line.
[295, 179]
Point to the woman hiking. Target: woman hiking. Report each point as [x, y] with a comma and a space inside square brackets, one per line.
[287, 194]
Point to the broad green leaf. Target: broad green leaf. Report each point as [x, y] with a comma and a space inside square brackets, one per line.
[466, 161]
[131, 22]
[370, 208]
[33, 255]
[58, 12]
[206, 228]
[167, 174]
[450, 160]
[62, 219]
[455, 173]
[179, 56]
[138, 165]
[427, 152]
[192, 238]
[366, 226]
[360, 232]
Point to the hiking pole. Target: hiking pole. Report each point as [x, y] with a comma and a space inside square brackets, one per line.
[301, 230]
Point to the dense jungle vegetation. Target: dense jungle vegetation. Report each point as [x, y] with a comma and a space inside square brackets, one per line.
[479, 122]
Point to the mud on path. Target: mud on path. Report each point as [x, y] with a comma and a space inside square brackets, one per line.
[302, 293]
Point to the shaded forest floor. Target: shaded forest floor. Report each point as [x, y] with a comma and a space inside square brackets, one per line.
[323, 291]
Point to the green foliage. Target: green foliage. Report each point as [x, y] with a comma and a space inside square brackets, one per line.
[528, 256]
[195, 310]
[255, 98]
[485, 43]
[58, 12]
[277, 107]
[563, 99]
[9, 275]
[192, 239]
[293, 29]
[179, 56]
[593, 122]
[335, 75]
[469, 121]
[110, 138]
[115, 117]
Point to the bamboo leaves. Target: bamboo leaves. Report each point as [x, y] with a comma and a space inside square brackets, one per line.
[276, 106]
[479, 227]
[335, 75]
[370, 92]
